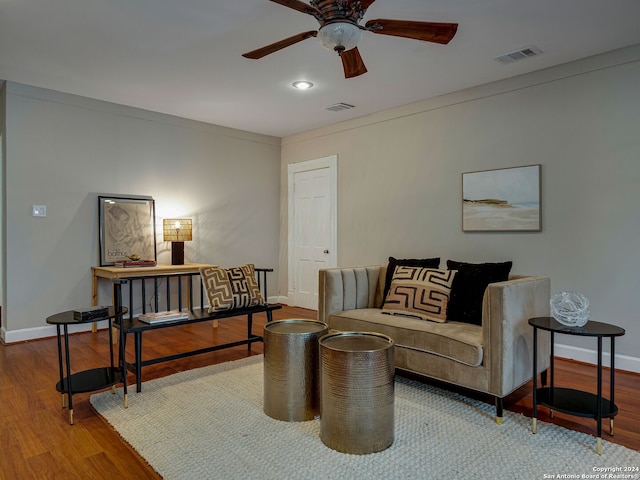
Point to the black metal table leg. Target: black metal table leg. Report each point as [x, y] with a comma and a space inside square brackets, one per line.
[123, 361]
[137, 338]
[599, 400]
[612, 381]
[249, 329]
[69, 387]
[60, 364]
[120, 311]
[551, 372]
[534, 421]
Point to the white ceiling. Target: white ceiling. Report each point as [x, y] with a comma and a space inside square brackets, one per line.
[184, 57]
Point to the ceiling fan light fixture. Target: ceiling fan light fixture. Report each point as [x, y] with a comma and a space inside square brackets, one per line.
[339, 36]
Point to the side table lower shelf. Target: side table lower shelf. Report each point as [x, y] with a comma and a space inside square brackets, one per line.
[575, 402]
[90, 380]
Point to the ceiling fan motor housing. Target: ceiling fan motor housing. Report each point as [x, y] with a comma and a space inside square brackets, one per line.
[339, 10]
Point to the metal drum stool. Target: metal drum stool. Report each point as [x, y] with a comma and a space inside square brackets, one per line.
[292, 368]
[357, 375]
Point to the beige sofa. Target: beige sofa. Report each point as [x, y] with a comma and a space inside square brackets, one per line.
[494, 358]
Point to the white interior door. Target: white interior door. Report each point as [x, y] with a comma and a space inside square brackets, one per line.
[312, 227]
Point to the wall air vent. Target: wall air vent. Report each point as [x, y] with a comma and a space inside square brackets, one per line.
[340, 106]
[525, 52]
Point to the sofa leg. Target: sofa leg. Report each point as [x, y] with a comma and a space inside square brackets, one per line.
[499, 409]
[543, 377]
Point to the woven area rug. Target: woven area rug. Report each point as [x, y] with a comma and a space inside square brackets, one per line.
[208, 423]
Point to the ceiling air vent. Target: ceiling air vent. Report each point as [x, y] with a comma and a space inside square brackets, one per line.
[340, 106]
[525, 52]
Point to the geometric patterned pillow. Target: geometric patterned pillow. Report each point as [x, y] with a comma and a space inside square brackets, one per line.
[419, 292]
[406, 262]
[230, 288]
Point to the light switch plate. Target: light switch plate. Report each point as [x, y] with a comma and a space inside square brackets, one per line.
[39, 210]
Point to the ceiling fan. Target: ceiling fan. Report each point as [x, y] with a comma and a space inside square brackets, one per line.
[340, 30]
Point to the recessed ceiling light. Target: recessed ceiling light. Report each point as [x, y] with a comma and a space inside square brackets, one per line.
[302, 85]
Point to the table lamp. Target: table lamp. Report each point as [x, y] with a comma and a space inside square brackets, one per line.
[177, 231]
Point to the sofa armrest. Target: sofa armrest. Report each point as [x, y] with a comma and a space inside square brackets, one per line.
[507, 335]
[349, 288]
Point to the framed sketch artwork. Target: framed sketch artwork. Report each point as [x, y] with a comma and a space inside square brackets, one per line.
[127, 228]
[503, 200]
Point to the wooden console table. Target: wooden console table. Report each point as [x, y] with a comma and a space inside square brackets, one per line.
[122, 273]
[113, 273]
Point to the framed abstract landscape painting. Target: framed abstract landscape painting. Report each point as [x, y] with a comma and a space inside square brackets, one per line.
[503, 200]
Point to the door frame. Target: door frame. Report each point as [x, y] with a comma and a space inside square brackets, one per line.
[330, 162]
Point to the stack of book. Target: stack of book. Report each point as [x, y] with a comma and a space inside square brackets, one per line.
[159, 317]
[135, 263]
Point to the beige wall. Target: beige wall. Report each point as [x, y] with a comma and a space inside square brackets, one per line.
[399, 181]
[399, 186]
[62, 151]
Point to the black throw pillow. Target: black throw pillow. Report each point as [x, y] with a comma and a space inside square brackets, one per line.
[469, 284]
[406, 262]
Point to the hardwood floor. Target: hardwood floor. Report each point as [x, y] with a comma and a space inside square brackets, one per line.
[36, 440]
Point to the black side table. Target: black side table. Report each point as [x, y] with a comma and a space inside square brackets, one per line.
[87, 380]
[567, 400]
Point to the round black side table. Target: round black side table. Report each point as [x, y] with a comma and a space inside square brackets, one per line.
[571, 401]
[87, 380]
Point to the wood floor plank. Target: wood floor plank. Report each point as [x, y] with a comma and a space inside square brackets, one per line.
[50, 465]
[36, 440]
[13, 463]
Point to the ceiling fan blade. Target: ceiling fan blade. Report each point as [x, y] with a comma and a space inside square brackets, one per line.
[427, 31]
[274, 47]
[299, 6]
[352, 63]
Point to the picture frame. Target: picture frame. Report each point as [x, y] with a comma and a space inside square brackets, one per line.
[127, 228]
[502, 200]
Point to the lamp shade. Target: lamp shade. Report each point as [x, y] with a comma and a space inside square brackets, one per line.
[176, 229]
[340, 36]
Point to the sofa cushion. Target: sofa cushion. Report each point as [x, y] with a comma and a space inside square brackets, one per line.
[419, 292]
[460, 342]
[406, 262]
[469, 284]
[229, 288]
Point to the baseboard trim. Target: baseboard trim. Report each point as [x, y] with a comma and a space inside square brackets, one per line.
[623, 362]
[26, 334]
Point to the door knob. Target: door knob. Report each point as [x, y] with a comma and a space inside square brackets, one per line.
[326, 252]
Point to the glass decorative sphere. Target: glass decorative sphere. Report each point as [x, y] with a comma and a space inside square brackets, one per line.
[570, 308]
